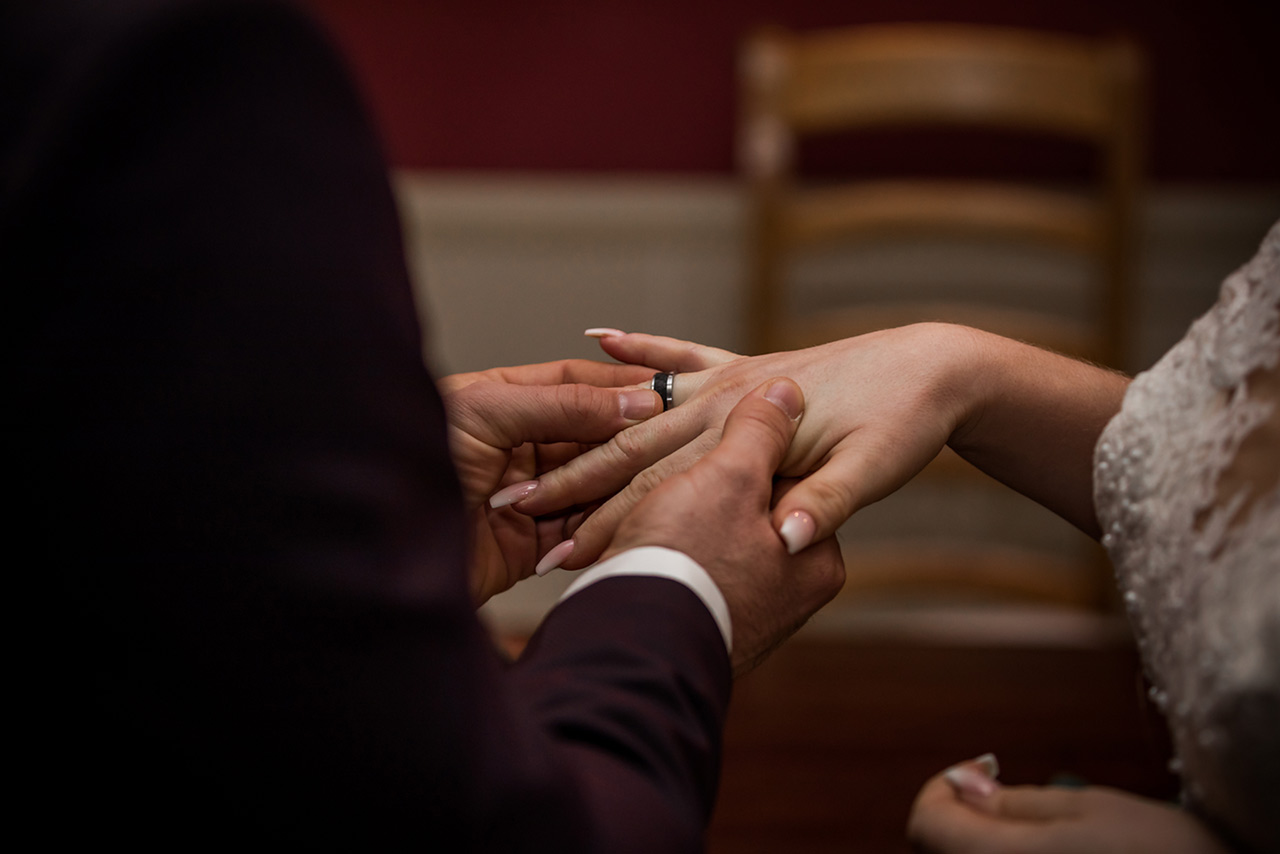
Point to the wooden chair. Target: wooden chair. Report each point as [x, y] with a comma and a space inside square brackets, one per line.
[923, 78]
[930, 76]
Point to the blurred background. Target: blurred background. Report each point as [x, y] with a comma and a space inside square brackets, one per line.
[563, 164]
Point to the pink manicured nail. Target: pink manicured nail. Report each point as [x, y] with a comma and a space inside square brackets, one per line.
[971, 783]
[797, 530]
[786, 397]
[602, 332]
[513, 493]
[639, 404]
[975, 779]
[552, 559]
[989, 765]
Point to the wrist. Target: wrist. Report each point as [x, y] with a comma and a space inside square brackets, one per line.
[965, 370]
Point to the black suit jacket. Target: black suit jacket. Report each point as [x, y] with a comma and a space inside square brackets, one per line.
[240, 527]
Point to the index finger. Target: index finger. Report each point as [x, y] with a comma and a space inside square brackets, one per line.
[603, 374]
[604, 470]
[504, 415]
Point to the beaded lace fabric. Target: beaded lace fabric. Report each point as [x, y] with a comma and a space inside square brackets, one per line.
[1187, 495]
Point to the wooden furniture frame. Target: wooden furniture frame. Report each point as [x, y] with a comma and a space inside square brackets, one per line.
[930, 76]
[924, 77]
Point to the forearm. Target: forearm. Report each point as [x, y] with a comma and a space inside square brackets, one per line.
[1031, 420]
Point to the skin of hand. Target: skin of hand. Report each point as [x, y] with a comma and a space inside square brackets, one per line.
[965, 811]
[877, 413]
[718, 513]
[507, 425]
[881, 406]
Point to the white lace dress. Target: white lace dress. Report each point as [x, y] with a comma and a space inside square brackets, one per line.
[1187, 494]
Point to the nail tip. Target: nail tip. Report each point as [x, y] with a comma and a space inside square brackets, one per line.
[989, 764]
[554, 558]
[970, 783]
[797, 531]
[513, 494]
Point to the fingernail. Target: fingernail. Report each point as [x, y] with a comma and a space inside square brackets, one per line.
[989, 765]
[975, 778]
[970, 783]
[602, 332]
[797, 530]
[513, 493]
[786, 396]
[552, 559]
[638, 404]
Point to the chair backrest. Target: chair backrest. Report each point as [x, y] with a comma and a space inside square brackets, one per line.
[925, 78]
[929, 76]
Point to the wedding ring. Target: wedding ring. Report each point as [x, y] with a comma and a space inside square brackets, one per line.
[665, 385]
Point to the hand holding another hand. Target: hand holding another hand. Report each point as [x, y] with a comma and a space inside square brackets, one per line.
[881, 406]
[719, 513]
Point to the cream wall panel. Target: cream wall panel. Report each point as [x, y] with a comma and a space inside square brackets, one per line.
[511, 268]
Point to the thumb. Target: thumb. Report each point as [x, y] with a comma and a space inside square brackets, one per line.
[816, 505]
[757, 434]
[504, 415]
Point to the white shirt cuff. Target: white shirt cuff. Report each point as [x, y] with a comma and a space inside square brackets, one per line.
[662, 562]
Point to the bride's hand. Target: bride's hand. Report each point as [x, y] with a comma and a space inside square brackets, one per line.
[881, 406]
[964, 810]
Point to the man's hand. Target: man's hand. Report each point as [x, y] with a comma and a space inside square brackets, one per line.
[964, 810]
[880, 407]
[718, 513]
[509, 425]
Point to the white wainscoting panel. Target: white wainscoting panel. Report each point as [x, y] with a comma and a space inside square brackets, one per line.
[510, 269]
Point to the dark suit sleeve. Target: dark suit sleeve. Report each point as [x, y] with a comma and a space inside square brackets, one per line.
[247, 530]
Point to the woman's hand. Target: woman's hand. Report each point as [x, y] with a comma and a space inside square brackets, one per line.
[508, 425]
[965, 811]
[880, 407]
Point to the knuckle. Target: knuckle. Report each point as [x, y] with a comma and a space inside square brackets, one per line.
[741, 480]
[645, 481]
[722, 475]
[468, 407]
[734, 383]
[833, 577]
[692, 354]
[578, 399]
[462, 397]
[629, 446]
[830, 495]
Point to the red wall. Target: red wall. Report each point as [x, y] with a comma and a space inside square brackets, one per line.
[647, 85]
